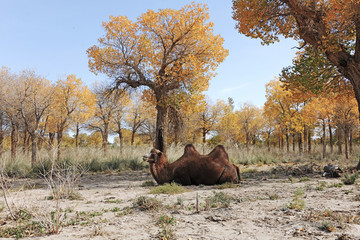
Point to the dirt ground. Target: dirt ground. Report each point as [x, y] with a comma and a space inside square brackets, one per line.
[263, 206]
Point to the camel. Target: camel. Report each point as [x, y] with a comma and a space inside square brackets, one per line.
[192, 168]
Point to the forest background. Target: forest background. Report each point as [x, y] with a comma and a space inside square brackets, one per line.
[309, 110]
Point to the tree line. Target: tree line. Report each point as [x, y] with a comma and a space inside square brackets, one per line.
[36, 113]
[169, 56]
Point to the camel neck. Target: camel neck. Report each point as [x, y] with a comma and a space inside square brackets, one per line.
[161, 172]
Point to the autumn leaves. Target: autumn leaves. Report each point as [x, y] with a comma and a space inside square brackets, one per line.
[172, 53]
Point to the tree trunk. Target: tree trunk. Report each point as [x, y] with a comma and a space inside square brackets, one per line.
[105, 136]
[287, 143]
[346, 137]
[121, 139]
[351, 140]
[51, 140]
[132, 137]
[33, 148]
[331, 139]
[25, 142]
[349, 67]
[324, 141]
[305, 138]
[268, 142]
[339, 142]
[300, 143]
[77, 132]
[161, 128]
[309, 141]
[293, 142]
[59, 139]
[14, 140]
[282, 142]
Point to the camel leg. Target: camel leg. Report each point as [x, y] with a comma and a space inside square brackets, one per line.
[238, 173]
[228, 175]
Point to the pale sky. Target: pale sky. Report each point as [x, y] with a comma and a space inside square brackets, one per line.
[51, 37]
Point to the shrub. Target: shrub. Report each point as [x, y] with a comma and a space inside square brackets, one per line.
[297, 202]
[166, 232]
[350, 179]
[147, 204]
[218, 200]
[167, 188]
[148, 184]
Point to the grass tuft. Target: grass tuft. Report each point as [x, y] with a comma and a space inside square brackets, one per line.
[297, 202]
[167, 188]
[350, 179]
[147, 204]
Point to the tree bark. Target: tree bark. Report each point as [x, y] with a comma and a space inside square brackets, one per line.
[287, 143]
[161, 128]
[14, 140]
[300, 143]
[351, 140]
[309, 141]
[305, 138]
[59, 139]
[26, 142]
[339, 138]
[105, 135]
[346, 137]
[133, 137]
[268, 141]
[331, 139]
[293, 142]
[33, 148]
[324, 141]
[121, 139]
[51, 140]
[77, 132]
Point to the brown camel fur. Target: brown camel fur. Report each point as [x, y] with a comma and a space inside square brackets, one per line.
[192, 168]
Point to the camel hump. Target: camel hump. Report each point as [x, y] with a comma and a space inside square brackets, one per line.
[190, 150]
[219, 151]
[220, 148]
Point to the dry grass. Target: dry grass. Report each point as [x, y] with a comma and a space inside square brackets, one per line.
[131, 159]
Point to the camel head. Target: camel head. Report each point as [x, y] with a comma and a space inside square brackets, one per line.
[153, 157]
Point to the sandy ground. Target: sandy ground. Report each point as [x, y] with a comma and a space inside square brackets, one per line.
[259, 208]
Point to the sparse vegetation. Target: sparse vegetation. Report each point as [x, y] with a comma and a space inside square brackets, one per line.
[144, 203]
[150, 183]
[297, 202]
[321, 186]
[327, 226]
[167, 188]
[165, 224]
[218, 200]
[350, 179]
[304, 179]
[273, 196]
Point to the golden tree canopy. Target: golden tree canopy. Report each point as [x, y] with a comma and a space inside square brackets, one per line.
[164, 50]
